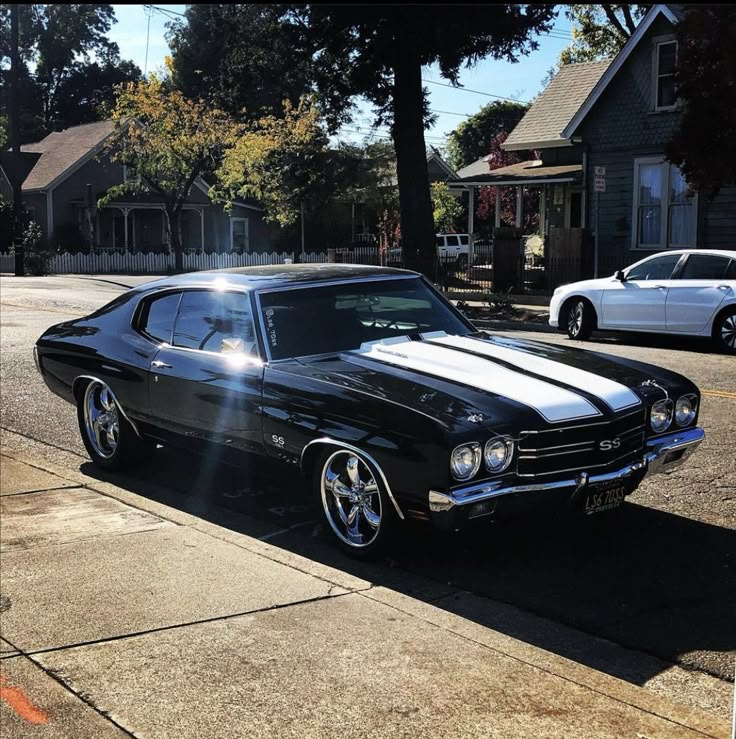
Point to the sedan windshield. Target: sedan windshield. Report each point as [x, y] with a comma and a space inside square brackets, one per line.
[320, 320]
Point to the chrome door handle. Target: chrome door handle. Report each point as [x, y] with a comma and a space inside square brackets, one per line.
[724, 287]
[661, 287]
[160, 365]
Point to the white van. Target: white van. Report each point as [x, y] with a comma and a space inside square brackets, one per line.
[454, 247]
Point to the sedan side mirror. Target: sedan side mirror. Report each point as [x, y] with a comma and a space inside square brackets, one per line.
[620, 275]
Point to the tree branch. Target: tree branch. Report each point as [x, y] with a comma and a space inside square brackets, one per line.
[615, 22]
[629, 20]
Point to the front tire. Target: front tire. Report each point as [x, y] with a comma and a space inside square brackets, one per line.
[579, 319]
[357, 510]
[108, 437]
[724, 331]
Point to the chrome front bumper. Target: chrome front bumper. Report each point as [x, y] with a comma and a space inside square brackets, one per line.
[661, 455]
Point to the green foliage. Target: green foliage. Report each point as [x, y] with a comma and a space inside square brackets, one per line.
[69, 65]
[447, 209]
[704, 146]
[3, 132]
[471, 140]
[35, 253]
[599, 31]
[280, 160]
[500, 301]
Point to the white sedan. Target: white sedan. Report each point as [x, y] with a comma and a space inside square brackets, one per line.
[690, 292]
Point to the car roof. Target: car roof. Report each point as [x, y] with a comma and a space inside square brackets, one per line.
[279, 275]
[717, 252]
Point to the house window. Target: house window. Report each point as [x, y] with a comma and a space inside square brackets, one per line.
[239, 236]
[664, 214]
[665, 60]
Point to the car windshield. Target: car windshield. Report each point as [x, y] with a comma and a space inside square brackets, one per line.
[320, 320]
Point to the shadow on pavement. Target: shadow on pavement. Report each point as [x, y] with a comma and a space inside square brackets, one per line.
[645, 579]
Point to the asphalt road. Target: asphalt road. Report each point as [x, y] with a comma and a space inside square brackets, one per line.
[657, 577]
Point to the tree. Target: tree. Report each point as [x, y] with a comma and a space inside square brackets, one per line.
[471, 140]
[704, 146]
[600, 31]
[280, 160]
[64, 49]
[378, 51]
[246, 59]
[166, 141]
[447, 209]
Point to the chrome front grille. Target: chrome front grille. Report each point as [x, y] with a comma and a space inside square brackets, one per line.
[586, 447]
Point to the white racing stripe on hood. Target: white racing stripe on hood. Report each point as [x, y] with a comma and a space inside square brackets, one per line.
[615, 395]
[553, 403]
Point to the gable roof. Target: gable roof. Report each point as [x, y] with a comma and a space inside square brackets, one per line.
[62, 151]
[434, 156]
[552, 111]
[673, 13]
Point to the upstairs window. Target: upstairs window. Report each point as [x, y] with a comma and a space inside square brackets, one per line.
[665, 61]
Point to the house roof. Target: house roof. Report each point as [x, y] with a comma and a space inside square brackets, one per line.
[530, 172]
[62, 151]
[434, 155]
[673, 13]
[555, 107]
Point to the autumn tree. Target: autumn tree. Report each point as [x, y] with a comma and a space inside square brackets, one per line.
[600, 31]
[166, 141]
[280, 160]
[704, 146]
[471, 140]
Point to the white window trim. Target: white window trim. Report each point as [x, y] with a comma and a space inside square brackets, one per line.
[661, 41]
[233, 221]
[665, 220]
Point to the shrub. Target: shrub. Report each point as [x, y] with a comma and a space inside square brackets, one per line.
[500, 301]
[34, 250]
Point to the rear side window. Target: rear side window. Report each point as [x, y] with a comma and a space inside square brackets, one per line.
[659, 268]
[705, 267]
[440, 241]
[464, 240]
[453, 241]
[215, 322]
[731, 271]
[157, 319]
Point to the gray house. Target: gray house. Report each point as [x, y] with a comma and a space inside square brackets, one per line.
[66, 173]
[610, 121]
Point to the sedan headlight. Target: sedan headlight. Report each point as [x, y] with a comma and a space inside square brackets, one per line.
[685, 409]
[660, 417]
[498, 453]
[465, 461]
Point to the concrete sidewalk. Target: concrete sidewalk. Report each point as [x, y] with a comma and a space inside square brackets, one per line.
[122, 616]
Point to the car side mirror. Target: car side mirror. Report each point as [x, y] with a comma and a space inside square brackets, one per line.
[620, 275]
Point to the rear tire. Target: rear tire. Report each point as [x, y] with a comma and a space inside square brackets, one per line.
[578, 318]
[359, 515]
[724, 331]
[108, 437]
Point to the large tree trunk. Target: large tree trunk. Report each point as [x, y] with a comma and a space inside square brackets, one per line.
[173, 218]
[417, 226]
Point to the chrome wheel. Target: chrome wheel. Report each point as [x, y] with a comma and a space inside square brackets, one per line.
[101, 421]
[728, 332]
[351, 498]
[575, 319]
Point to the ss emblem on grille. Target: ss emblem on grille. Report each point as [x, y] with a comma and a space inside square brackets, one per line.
[607, 444]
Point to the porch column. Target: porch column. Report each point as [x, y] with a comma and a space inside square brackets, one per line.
[519, 205]
[133, 214]
[471, 210]
[201, 223]
[125, 226]
[543, 210]
[497, 216]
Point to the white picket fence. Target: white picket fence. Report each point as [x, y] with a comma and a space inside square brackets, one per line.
[149, 263]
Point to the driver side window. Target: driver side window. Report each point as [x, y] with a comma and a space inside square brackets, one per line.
[659, 268]
[212, 321]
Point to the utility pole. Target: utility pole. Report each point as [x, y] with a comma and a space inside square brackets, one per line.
[13, 109]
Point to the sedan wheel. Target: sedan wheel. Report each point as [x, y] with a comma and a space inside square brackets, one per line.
[580, 320]
[109, 438]
[352, 500]
[724, 332]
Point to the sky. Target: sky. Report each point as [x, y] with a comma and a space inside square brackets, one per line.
[520, 81]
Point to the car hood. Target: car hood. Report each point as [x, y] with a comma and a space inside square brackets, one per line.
[467, 381]
[601, 283]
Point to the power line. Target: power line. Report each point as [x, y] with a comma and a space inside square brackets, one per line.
[477, 92]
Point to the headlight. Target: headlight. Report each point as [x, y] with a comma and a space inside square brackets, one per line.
[685, 409]
[498, 453]
[465, 461]
[660, 417]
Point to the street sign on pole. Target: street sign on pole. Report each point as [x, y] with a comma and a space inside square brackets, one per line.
[599, 171]
[599, 184]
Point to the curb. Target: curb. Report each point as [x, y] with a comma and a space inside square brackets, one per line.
[492, 325]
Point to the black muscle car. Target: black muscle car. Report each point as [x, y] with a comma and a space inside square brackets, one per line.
[373, 386]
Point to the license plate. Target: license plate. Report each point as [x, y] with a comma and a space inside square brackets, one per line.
[599, 499]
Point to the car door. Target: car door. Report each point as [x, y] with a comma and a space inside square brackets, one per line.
[702, 284]
[206, 383]
[638, 302]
